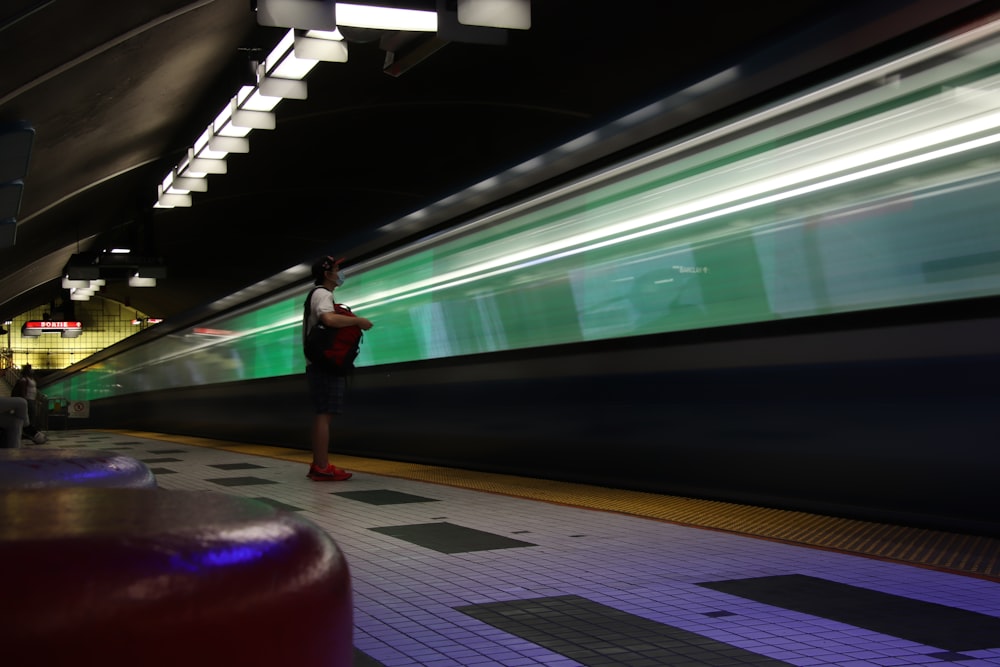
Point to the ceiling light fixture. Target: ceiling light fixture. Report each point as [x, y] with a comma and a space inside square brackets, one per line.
[319, 45]
[319, 14]
[86, 273]
[378, 17]
[280, 76]
[313, 36]
[514, 14]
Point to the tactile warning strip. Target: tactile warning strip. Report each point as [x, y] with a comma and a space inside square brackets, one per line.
[966, 554]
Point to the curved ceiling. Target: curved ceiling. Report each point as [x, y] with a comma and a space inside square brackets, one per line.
[116, 91]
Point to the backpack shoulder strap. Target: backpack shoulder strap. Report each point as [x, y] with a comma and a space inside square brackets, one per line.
[305, 313]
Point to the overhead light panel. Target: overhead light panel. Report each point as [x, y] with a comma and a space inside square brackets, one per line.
[141, 281]
[197, 166]
[513, 14]
[316, 45]
[386, 18]
[306, 14]
[175, 184]
[219, 146]
[250, 110]
[271, 78]
[281, 73]
[450, 29]
[172, 199]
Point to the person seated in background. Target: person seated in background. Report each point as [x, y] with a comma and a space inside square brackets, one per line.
[26, 387]
[13, 418]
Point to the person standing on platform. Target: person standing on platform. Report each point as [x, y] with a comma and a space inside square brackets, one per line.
[326, 389]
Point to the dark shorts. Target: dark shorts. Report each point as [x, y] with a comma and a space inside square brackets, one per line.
[326, 391]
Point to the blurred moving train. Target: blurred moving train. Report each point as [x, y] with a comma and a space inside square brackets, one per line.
[773, 286]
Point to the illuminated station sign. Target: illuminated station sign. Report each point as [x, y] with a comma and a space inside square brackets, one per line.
[33, 328]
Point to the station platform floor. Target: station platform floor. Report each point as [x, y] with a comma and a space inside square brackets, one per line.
[460, 568]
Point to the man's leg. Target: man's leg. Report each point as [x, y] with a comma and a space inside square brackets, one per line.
[321, 440]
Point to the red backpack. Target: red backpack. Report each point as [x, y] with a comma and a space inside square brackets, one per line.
[332, 349]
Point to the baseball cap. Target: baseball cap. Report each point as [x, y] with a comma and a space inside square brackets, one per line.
[324, 264]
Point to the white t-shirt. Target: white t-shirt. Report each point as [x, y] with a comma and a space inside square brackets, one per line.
[321, 302]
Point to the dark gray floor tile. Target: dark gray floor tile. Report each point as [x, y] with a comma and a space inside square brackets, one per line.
[949, 656]
[235, 466]
[594, 634]
[384, 497]
[240, 481]
[449, 538]
[922, 622]
[362, 659]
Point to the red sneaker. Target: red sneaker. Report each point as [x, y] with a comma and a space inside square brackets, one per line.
[329, 474]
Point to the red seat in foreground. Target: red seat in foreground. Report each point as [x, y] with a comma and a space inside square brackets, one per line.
[116, 577]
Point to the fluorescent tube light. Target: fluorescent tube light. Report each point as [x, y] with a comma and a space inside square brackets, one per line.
[184, 184]
[139, 281]
[289, 89]
[385, 18]
[314, 46]
[181, 185]
[295, 66]
[330, 35]
[257, 101]
[285, 63]
[195, 167]
[172, 200]
[223, 126]
[248, 118]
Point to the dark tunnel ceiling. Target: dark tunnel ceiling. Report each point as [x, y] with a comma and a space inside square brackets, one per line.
[117, 90]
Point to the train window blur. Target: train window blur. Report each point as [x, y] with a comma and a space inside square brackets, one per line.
[877, 190]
